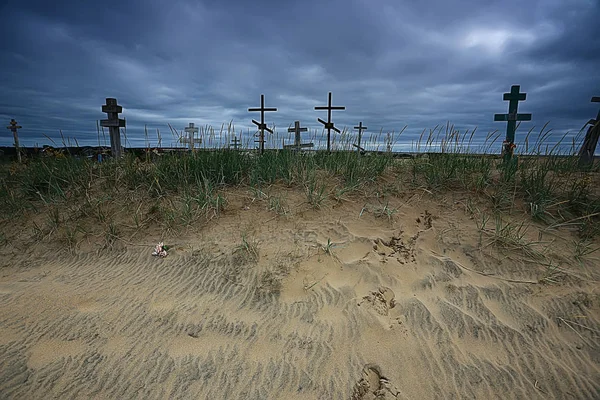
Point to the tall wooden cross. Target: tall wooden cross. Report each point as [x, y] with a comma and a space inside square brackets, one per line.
[13, 128]
[329, 125]
[190, 130]
[512, 117]
[588, 148]
[113, 123]
[261, 125]
[298, 145]
[360, 128]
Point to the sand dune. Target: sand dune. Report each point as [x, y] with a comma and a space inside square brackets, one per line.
[336, 303]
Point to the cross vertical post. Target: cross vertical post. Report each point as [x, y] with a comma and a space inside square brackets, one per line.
[588, 148]
[360, 128]
[329, 125]
[261, 125]
[14, 128]
[512, 117]
[113, 123]
[298, 145]
[190, 130]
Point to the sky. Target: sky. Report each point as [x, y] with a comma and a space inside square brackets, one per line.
[393, 64]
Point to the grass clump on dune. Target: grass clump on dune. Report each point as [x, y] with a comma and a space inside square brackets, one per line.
[181, 189]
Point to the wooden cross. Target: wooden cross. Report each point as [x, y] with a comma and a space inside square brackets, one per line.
[261, 125]
[236, 143]
[360, 128]
[190, 130]
[113, 123]
[588, 148]
[297, 140]
[512, 117]
[329, 125]
[13, 128]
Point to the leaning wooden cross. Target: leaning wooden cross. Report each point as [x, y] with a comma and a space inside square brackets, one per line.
[360, 128]
[14, 127]
[298, 145]
[512, 117]
[113, 123]
[329, 125]
[588, 148]
[190, 140]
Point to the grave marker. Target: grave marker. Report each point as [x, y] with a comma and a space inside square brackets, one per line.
[236, 143]
[190, 130]
[329, 125]
[360, 129]
[14, 128]
[588, 148]
[261, 125]
[298, 145]
[113, 123]
[511, 118]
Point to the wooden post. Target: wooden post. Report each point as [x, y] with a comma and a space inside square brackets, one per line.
[13, 128]
[261, 125]
[588, 148]
[360, 128]
[190, 130]
[512, 117]
[113, 123]
[329, 125]
[298, 145]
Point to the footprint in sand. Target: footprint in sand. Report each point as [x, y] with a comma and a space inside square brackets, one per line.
[381, 300]
[373, 385]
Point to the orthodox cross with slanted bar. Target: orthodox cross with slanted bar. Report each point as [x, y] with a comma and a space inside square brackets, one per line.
[261, 125]
[329, 125]
[360, 128]
[190, 130]
[298, 145]
[13, 128]
[512, 117]
[113, 123]
[235, 142]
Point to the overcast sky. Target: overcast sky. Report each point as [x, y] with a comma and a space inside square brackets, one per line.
[391, 63]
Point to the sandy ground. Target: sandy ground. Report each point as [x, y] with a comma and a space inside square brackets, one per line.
[335, 303]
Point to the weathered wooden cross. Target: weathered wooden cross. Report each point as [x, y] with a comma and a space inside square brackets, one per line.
[113, 123]
[588, 148]
[13, 128]
[298, 145]
[329, 125]
[190, 140]
[235, 143]
[360, 128]
[261, 125]
[512, 117]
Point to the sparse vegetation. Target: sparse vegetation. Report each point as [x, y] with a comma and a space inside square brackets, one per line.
[174, 191]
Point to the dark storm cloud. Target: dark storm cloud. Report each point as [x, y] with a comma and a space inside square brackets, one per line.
[390, 63]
